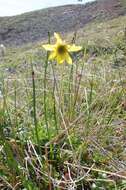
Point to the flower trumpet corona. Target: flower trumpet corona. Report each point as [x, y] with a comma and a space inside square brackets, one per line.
[60, 50]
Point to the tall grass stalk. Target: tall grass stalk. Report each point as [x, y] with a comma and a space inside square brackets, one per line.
[70, 90]
[70, 85]
[6, 110]
[15, 105]
[34, 109]
[54, 101]
[45, 94]
[79, 81]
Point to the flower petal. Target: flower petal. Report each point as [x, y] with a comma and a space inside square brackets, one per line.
[68, 59]
[58, 37]
[60, 59]
[52, 55]
[73, 48]
[49, 47]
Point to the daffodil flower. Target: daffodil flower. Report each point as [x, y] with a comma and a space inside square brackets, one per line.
[60, 50]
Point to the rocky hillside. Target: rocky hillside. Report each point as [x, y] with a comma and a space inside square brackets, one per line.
[34, 26]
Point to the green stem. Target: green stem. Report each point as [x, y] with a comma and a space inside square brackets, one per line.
[70, 90]
[34, 109]
[78, 86]
[15, 93]
[45, 95]
[54, 101]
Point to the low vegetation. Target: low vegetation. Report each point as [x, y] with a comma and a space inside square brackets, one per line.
[34, 26]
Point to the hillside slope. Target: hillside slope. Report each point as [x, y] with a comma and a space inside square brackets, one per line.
[34, 26]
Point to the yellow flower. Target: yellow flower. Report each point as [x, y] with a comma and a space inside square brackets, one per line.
[60, 50]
